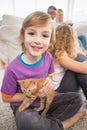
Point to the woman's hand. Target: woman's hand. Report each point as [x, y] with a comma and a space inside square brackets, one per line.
[47, 87]
[64, 53]
[62, 56]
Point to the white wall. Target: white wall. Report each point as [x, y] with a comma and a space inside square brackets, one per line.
[75, 10]
[6, 7]
[24, 7]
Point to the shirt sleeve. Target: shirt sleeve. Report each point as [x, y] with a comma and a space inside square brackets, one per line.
[9, 84]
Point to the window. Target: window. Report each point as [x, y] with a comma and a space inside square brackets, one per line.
[22, 8]
[80, 11]
[6, 7]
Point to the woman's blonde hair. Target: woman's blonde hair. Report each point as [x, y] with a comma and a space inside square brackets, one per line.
[36, 18]
[66, 40]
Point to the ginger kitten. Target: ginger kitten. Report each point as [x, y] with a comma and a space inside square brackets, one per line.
[32, 87]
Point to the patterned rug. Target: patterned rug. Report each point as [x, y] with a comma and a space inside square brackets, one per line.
[82, 123]
[7, 120]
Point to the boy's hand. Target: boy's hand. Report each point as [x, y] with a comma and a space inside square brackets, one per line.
[47, 87]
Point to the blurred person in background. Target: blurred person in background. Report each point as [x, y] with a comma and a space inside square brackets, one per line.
[59, 17]
[52, 10]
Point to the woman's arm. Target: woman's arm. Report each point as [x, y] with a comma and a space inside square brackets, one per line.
[18, 97]
[76, 66]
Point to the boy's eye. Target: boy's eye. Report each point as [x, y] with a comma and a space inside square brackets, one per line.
[31, 33]
[45, 36]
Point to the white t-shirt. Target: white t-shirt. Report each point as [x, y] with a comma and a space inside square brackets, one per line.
[59, 73]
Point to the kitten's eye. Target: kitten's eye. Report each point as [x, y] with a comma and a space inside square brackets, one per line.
[24, 90]
[34, 83]
[29, 90]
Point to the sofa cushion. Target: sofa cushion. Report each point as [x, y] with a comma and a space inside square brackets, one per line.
[10, 46]
[83, 40]
[10, 33]
[81, 29]
[11, 20]
[3, 51]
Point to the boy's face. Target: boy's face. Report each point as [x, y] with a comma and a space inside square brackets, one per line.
[37, 39]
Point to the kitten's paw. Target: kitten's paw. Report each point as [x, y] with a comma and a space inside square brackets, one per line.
[19, 109]
[43, 114]
[38, 109]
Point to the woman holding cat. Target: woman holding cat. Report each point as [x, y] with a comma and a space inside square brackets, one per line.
[36, 34]
[70, 61]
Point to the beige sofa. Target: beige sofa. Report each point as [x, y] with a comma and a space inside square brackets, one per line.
[81, 29]
[10, 46]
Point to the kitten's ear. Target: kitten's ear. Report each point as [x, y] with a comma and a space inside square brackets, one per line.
[34, 84]
[20, 81]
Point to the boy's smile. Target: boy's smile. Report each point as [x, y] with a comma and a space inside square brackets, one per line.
[36, 48]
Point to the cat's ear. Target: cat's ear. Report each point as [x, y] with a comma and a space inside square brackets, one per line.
[20, 81]
[34, 84]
